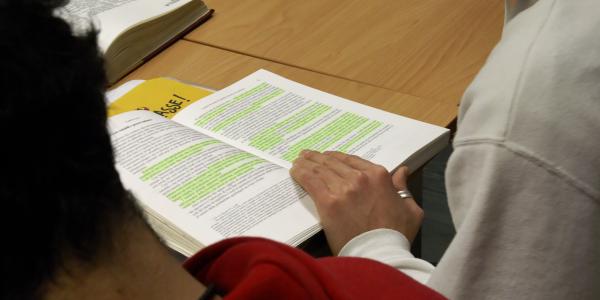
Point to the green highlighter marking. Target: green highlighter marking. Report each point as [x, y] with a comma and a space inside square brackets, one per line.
[364, 132]
[250, 109]
[213, 178]
[219, 110]
[173, 159]
[274, 135]
[323, 138]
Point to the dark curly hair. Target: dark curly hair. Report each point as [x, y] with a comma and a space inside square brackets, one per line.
[60, 194]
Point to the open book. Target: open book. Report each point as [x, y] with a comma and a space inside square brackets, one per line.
[207, 166]
[133, 30]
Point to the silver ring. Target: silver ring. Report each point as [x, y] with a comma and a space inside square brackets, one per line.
[404, 194]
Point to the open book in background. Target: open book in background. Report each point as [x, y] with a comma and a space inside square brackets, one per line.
[131, 31]
[206, 166]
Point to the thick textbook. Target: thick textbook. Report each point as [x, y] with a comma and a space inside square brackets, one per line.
[206, 166]
[131, 31]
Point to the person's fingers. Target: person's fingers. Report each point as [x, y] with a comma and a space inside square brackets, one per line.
[340, 168]
[309, 181]
[319, 172]
[351, 160]
[400, 177]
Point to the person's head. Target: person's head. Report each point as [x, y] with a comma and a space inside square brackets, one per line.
[61, 197]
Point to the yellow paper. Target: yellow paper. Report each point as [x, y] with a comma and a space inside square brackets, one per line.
[162, 96]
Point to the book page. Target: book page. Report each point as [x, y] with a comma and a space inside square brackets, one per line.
[114, 17]
[276, 118]
[115, 94]
[207, 188]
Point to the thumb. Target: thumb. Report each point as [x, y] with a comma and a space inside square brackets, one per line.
[400, 177]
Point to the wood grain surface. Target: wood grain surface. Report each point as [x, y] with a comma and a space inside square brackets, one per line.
[427, 48]
[216, 68]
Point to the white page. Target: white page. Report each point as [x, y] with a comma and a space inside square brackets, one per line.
[115, 94]
[207, 188]
[275, 118]
[114, 17]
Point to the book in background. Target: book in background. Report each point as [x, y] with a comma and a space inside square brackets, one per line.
[132, 31]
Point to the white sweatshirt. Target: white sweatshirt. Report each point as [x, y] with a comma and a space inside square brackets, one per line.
[523, 182]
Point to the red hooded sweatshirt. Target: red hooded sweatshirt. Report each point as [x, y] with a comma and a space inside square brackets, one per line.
[254, 268]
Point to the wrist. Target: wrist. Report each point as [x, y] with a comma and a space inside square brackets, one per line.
[368, 243]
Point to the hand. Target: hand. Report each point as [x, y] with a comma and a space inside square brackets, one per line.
[353, 196]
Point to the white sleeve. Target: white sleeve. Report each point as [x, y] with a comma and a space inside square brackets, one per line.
[391, 248]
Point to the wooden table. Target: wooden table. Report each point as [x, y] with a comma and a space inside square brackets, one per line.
[430, 49]
[216, 69]
[410, 57]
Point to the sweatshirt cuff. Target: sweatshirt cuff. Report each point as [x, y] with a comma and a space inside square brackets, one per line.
[389, 247]
[377, 243]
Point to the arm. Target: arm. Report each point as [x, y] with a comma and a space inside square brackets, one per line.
[360, 210]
